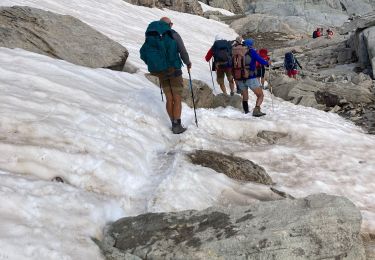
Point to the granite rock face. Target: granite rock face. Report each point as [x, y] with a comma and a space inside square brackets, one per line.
[59, 36]
[316, 227]
[184, 6]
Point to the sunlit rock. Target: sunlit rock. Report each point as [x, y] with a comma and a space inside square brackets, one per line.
[316, 227]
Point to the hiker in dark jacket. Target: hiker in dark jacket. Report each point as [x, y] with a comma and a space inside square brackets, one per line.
[222, 70]
[172, 83]
[291, 64]
[252, 81]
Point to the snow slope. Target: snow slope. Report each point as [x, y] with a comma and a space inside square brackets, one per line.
[107, 134]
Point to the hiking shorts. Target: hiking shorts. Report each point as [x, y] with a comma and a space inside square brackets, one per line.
[172, 82]
[249, 83]
[261, 71]
[221, 73]
[292, 72]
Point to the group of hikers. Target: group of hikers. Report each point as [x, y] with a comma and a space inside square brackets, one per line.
[238, 60]
[319, 33]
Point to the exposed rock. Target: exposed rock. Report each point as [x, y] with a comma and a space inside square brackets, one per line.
[222, 100]
[331, 78]
[271, 137]
[232, 166]
[336, 109]
[130, 68]
[359, 22]
[331, 95]
[59, 36]
[299, 92]
[363, 41]
[282, 194]
[316, 227]
[230, 5]
[184, 6]
[270, 23]
[326, 98]
[318, 12]
[369, 244]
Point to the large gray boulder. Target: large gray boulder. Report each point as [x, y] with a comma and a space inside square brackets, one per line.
[184, 6]
[309, 92]
[59, 36]
[316, 227]
[363, 41]
[299, 92]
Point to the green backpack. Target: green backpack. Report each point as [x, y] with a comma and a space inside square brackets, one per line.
[160, 51]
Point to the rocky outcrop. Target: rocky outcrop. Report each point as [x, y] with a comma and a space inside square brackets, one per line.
[299, 92]
[320, 12]
[231, 5]
[232, 166]
[59, 36]
[296, 16]
[264, 23]
[203, 95]
[316, 227]
[184, 6]
[363, 41]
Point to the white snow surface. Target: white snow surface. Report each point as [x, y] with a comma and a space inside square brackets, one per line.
[108, 135]
[206, 8]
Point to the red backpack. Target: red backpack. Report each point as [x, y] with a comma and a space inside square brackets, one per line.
[263, 53]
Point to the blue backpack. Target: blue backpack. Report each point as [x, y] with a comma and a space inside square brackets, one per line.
[289, 61]
[160, 51]
[222, 50]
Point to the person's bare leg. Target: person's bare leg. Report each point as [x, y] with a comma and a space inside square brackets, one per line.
[260, 96]
[231, 86]
[169, 104]
[223, 89]
[259, 93]
[176, 106]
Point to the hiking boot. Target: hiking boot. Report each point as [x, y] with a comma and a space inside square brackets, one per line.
[177, 128]
[257, 112]
[232, 93]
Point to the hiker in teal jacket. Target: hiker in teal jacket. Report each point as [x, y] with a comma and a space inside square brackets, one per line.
[169, 72]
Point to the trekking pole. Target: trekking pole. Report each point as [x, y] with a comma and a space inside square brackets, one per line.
[213, 85]
[192, 96]
[161, 92]
[269, 83]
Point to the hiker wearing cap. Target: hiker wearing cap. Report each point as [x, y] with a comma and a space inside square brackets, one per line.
[222, 63]
[165, 63]
[244, 72]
